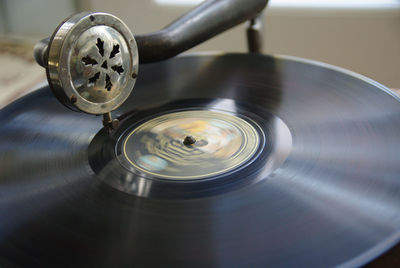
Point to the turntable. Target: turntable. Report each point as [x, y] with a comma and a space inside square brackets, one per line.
[231, 160]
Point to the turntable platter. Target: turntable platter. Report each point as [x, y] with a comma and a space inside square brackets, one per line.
[320, 187]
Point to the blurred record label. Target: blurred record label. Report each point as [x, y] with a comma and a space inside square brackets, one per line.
[222, 143]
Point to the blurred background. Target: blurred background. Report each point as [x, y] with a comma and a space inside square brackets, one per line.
[359, 35]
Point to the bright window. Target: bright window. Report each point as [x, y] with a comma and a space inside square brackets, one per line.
[307, 3]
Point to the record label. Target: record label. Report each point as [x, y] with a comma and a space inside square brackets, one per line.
[222, 142]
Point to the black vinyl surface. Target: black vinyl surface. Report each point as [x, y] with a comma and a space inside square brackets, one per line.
[328, 195]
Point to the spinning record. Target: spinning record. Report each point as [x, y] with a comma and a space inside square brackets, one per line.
[219, 160]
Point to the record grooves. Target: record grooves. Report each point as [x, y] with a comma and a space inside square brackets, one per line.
[320, 189]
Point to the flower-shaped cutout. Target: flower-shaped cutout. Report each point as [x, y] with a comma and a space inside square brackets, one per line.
[104, 65]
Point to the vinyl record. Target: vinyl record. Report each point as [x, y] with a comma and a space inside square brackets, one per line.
[288, 163]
